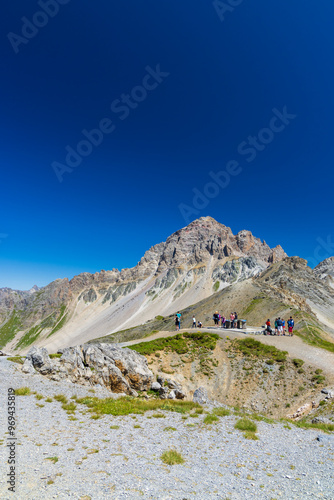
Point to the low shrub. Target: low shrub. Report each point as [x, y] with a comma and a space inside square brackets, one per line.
[22, 391]
[172, 457]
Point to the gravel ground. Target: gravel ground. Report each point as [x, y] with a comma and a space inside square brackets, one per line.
[219, 462]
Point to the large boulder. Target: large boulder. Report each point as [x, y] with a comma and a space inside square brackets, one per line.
[40, 360]
[28, 367]
[201, 396]
[120, 370]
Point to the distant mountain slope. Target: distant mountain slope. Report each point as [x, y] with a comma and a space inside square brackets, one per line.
[288, 287]
[194, 263]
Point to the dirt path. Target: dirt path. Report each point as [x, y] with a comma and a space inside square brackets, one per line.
[319, 358]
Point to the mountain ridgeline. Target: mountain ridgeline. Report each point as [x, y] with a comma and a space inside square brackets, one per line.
[196, 265]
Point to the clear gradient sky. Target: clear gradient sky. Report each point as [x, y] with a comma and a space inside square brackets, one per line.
[180, 90]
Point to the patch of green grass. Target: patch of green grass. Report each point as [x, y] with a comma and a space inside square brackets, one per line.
[53, 459]
[169, 429]
[69, 407]
[251, 307]
[318, 379]
[60, 321]
[298, 362]
[244, 424]
[253, 348]
[221, 412]
[114, 427]
[180, 343]
[61, 398]
[216, 286]
[159, 318]
[127, 405]
[39, 396]
[48, 400]
[56, 355]
[22, 391]
[250, 435]
[172, 457]
[210, 419]
[16, 359]
[29, 337]
[9, 329]
[312, 335]
[261, 418]
[307, 425]
[137, 426]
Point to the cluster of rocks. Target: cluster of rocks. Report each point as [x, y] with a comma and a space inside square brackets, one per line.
[168, 389]
[308, 407]
[121, 370]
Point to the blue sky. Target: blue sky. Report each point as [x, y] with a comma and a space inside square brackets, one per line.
[219, 82]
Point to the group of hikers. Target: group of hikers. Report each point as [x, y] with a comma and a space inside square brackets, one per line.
[280, 327]
[178, 322]
[221, 320]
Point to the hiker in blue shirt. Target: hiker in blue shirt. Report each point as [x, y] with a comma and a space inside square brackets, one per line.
[291, 324]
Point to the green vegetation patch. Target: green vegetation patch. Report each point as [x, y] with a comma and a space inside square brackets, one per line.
[313, 335]
[308, 425]
[180, 343]
[251, 306]
[254, 348]
[298, 362]
[9, 329]
[210, 419]
[216, 286]
[52, 356]
[16, 359]
[244, 424]
[61, 320]
[61, 398]
[22, 391]
[127, 405]
[172, 457]
[29, 337]
[221, 412]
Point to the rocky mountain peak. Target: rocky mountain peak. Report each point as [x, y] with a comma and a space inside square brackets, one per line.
[325, 270]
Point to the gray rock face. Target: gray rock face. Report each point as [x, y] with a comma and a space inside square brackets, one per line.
[329, 393]
[200, 396]
[121, 370]
[28, 367]
[155, 386]
[179, 394]
[40, 360]
[321, 420]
